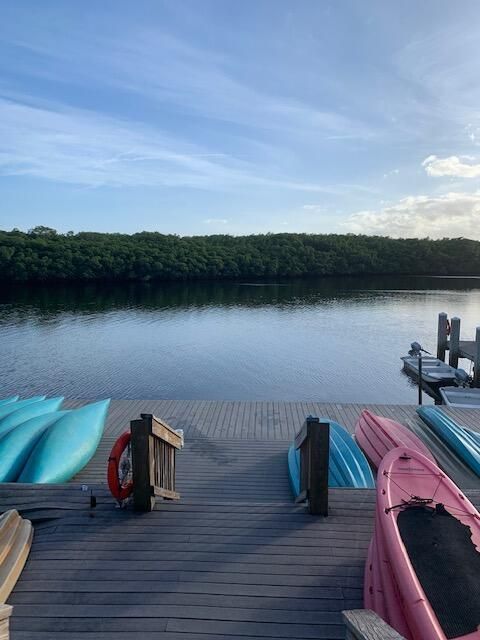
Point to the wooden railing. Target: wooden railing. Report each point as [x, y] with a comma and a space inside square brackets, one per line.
[154, 444]
[313, 440]
[5, 613]
[363, 624]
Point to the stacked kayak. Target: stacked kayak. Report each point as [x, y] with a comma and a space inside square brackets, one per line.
[377, 435]
[348, 467]
[463, 442]
[423, 568]
[39, 443]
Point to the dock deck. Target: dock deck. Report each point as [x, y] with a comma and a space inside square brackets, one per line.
[234, 558]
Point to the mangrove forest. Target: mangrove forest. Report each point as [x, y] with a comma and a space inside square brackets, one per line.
[42, 254]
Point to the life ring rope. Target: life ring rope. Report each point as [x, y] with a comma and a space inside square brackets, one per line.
[120, 489]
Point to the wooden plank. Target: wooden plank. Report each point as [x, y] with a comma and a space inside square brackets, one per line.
[363, 624]
[5, 613]
[162, 430]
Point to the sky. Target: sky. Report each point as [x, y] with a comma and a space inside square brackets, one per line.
[218, 116]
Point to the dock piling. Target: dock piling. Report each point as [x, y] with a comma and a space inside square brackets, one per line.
[476, 360]
[454, 347]
[313, 440]
[442, 338]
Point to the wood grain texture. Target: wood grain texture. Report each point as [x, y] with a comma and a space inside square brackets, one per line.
[363, 624]
[234, 558]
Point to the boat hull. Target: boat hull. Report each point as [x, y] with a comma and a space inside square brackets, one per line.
[434, 371]
[10, 407]
[348, 466]
[17, 445]
[67, 445]
[461, 398]
[377, 435]
[461, 441]
[29, 411]
[8, 400]
[426, 541]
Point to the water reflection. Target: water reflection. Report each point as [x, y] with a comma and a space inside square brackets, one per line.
[331, 340]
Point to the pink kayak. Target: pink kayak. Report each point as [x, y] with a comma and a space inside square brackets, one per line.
[377, 436]
[381, 593]
[429, 536]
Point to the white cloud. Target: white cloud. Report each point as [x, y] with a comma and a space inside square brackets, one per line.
[447, 215]
[451, 166]
[215, 221]
[81, 147]
[393, 172]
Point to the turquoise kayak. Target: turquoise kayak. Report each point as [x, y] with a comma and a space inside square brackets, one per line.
[348, 466]
[18, 443]
[28, 411]
[10, 407]
[67, 445]
[8, 400]
[462, 441]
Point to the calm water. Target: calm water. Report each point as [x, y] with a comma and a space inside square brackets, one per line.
[335, 340]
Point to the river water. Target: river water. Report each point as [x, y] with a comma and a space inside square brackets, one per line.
[328, 340]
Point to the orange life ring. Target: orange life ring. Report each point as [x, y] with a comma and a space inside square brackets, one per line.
[119, 491]
[449, 328]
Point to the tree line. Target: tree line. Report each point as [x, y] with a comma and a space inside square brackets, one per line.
[42, 254]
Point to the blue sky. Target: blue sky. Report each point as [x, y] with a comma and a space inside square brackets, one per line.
[218, 116]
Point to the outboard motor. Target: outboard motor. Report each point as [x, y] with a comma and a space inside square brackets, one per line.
[462, 377]
[416, 348]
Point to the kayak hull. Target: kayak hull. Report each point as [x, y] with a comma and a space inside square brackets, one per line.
[9, 407]
[29, 411]
[17, 444]
[462, 441]
[67, 445]
[377, 435]
[348, 467]
[8, 400]
[416, 504]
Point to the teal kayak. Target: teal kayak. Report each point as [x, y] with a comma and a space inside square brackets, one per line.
[10, 407]
[462, 441]
[17, 444]
[28, 411]
[8, 400]
[348, 466]
[67, 445]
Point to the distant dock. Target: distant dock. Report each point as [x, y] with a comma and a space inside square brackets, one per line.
[448, 339]
[235, 558]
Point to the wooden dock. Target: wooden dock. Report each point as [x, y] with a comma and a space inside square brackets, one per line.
[235, 558]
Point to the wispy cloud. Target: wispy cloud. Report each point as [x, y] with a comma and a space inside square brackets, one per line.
[452, 214]
[84, 148]
[216, 221]
[451, 166]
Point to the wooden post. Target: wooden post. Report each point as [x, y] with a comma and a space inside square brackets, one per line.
[363, 624]
[142, 464]
[318, 434]
[5, 613]
[454, 343]
[476, 359]
[420, 381]
[442, 338]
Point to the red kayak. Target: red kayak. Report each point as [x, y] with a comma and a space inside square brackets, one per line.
[377, 436]
[423, 570]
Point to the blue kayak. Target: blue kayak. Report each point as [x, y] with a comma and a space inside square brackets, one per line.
[18, 443]
[348, 466]
[67, 445]
[10, 407]
[28, 411]
[8, 400]
[462, 441]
